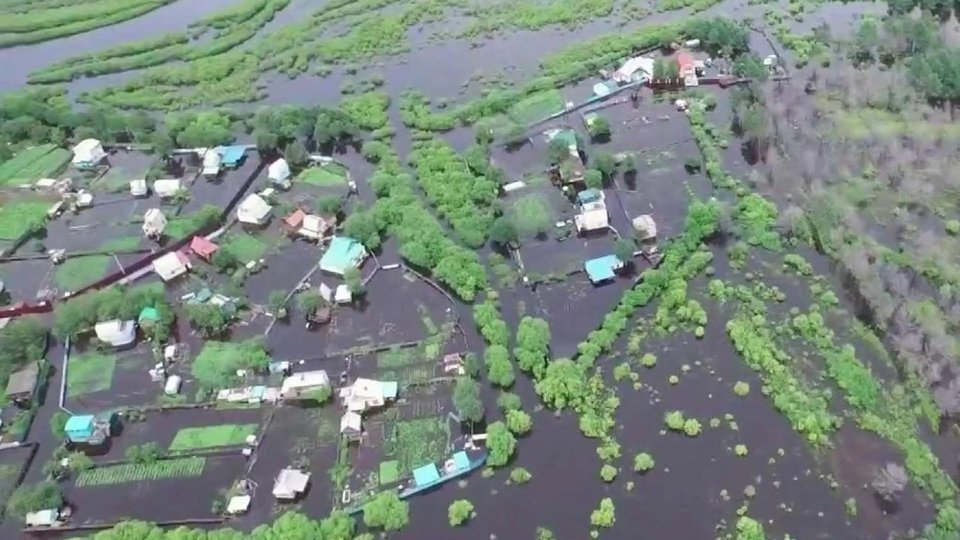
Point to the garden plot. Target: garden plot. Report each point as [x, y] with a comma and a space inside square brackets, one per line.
[13, 461]
[327, 175]
[124, 167]
[203, 438]
[164, 469]
[103, 380]
[20, 215]
[34, 163]
[77, 272]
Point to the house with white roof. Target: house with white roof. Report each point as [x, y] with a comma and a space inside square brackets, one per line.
[171, 265]
[88, 153]
[254, 210]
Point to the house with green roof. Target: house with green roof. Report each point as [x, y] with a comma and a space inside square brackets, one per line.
[343, 254]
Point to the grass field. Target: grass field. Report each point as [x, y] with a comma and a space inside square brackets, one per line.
[8, 479]
[389, 472]
[32, 164]
[536, 107]
[89, 373]
[199, 438]
[19, 217]
[324, 175]
[244, 247]
[417, 442]
[81, 271]
[131, 472]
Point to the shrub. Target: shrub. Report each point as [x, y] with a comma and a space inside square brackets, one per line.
[953, 227]
[460, 512]
[508, 401]
[519, 422]
[740, 450]
[608, 473]
[500, 443]
[691, 427]
[605, 515]
[519, 475]
[648, 360]
[643, 462]
[741, 388]
[674, 420]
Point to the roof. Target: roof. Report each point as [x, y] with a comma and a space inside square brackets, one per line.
[138, 187]
[203, 247]
[42, 518]
[79, 422]
[645, 226]
[314, 225]
[289, 483]
[684, 59]
[604, 88]
[238, 504]
[167, 187]
[389, 389]
[343, 294]
[305, 379]
[154, 221]
[279, 170]
[171, 265]
[636, 64]
[589, 195]
[351, 421]
[231, 154]
[253, 210]
[149, 313]
[426, 474]
[592, 220]
[295, 218]
[116, 332]
[461, 460]
[88, 151]
[601, 268]
[23, 380]
[344, 253]
[211, 161]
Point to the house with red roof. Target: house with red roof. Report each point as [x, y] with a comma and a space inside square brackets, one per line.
[203, 248]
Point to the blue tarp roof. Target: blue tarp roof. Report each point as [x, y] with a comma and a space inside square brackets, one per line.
[461, 460]
[82, 422]
[601, 268]
[232, 154]
[426, 474]
[344, 253]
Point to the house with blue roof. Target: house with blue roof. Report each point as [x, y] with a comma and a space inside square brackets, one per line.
[603, 268]
[343, 254]
[231, 156]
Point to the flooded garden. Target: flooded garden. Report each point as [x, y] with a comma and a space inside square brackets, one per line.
[435, 269]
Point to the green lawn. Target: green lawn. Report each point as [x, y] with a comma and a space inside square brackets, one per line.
[536, 107]
[32, 164]
[244, 247]
[389, 472]
[18, 217]
[89, 373]
[81, 271]
[324, 175]
[199, 438]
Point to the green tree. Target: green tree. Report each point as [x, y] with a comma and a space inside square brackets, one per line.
[557, 151]
[508, 401]
[296, 155]
[751, 67]
[624, 248]
[309, 301]
[643, 462]
[500, 444]
[224, 261]
[499, 368]
[386, 511]
[518, 421]
[218, 362]
[532, 216]
[58, 422]
[34, 497]
[564, 383]
[605, 163]
[605, 515]
[460, 512]
[599, 129]
[23, 340]
[593, 178]
[533, 346]
[332, 126]
[277, 301]
[144, 453]
[203, 129]
[363, 227]
[354, 280]
[503, 232]
[331, 205]
[208, 319]
[466, 398]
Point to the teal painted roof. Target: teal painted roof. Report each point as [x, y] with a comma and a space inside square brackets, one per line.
[389, 389]
[588, 196]
[601, 268]
[344, 253]
[79, 423]
[232, 154]
[149, 313]
[461, 460]
[426, 474]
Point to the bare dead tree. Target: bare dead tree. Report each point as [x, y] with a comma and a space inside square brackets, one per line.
[889, 481]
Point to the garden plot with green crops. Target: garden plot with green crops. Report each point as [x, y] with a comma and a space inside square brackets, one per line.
[32, 164]
[78, 272]
[167, 469]
[202, 438]
[20, 216]
[89, 373]
[536, 107]
[244, 246]
[326, 175]
[417, 442]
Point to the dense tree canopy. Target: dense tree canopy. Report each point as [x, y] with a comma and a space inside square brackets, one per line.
[533, 345]
[466, 398]
[208, 128]
[500, 444]
[386, 511]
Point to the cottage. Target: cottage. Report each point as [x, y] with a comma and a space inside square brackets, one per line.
[238, 504]
[203, 248]
[645, 227]
[343, 294]
[254, 210]
[344, 253]
[231, 156]
[88, 153]
[294, 220]
[305, 385]
[171, 266]
[593, 217]
[89, 428]
[351, 426]
[279, 173]
[290, 483]
[211, 162]
[634, 69]
[602, 268]
[366, 394]
[116, 333]
[166, 188]
[315, 227]
[154, 223]
[138, 188]
[21, 384]
[588, 196]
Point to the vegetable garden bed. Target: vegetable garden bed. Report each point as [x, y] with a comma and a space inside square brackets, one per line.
[140, 472]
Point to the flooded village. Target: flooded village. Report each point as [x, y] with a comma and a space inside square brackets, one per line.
[351, 269]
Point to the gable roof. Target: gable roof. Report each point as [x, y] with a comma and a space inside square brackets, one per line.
[23, 381]
[344, 253]
[601, 268]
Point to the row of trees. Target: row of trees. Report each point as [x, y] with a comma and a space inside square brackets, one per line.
[83, 312]
[23, 340]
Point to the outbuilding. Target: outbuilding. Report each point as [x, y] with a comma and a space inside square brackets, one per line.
[138, 188]
[116, 333]
[279, 173]
[351, 426]
[304, 385]
[154, 223]
[211, 162]
[254, 210]
[594, 217]
[203, 248]
[290, 483]
[602, 268]
[88, 153]
[171, 265]
[21, 384]
[166, 188]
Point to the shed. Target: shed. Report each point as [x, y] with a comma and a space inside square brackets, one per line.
[238, 504]
[231, 155]
[45, 183]
[138, 188]
[686, 63]
[84, 199]
[295, 219]
[589, 196]
[604, 88]
[513, 186]
[116, 332]
[279, 171]
[80, 428]
[22, 382]
[172, 386]
[592, 219]
[602, 268]
[290, 483]
[344, 253]
[203, 248]
[88, 153]
[365, 394]
[426, 475]
[211, 162]
[254, 210]
[154, 223]
[43, 518]
[343, 294]
[351, 425]
[315, 226]
[300, 385]
[166, 188]
[171, 265]
[148, 315]
[645, 227]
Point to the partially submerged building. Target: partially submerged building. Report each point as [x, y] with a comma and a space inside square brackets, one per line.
[351, 426]
[171, 265]
[154, 223]
[311, 226]
[254, 211]
[22, 383]
[571, 170]
[166, 188]
[343, 254]
[203, 248]
[212, 160]
[305, 385]
[88, 153]
[90, 429]
[603, 268]
[231, 156]
[138, 188]
[634, 69]
[592, 217]
[116, 333]
[290, 484]
[645, 227]
[279, 173]
[366, 394]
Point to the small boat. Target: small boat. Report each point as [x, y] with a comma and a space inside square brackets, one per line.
[429, 476]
